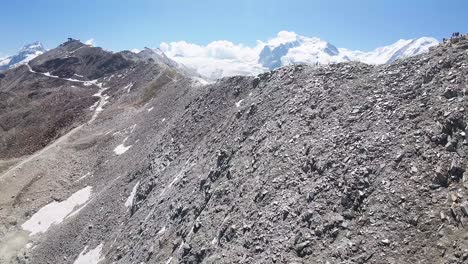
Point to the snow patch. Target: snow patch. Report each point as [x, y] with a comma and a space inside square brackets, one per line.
[128, 87]
[133, 128]
[130, 198]
[56, 212]
[149, 110]
[162, 231]
[238, 103]
[91, 257]
[121, 149]
[102, 101]
[93, 107]
[84, 176]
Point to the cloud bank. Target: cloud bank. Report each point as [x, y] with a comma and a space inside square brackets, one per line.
[217, 59]
[224, 58]
[90, 42]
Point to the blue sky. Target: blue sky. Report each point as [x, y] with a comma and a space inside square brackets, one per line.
[120, 24]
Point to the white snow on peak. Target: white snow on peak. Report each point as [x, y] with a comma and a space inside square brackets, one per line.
[312, 50]
[91, 257]
[289, 48]
[387, 54]
[4, 61]
[224, 58]
[24, 55]
[56, 212]
[34, 47]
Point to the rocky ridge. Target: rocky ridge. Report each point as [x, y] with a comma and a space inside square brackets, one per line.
[342, 163]
[347, 163]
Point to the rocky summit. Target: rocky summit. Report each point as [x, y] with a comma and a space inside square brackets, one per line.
[121, 158]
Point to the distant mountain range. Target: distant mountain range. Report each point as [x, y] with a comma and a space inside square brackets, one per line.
[299, 49]
[285, 49]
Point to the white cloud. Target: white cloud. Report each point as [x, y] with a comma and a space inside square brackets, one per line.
[217, 59]
[313, 50]
[220, 49]
[90, 42]
[283, 37]
[224, 58]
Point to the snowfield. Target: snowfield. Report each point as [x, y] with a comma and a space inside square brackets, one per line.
[56, 212]
[91, 257]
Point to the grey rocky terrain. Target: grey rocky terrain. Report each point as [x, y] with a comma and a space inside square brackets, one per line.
[342, 163]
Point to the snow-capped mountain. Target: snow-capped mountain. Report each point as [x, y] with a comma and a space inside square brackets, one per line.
[398, 50]
[26, 54]
[224, 58]
[290, 48]
[295, 49]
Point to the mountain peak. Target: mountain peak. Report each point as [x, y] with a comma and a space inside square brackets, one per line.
[402, 48]
[25, 54]
[289, 48]
[33, 47]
